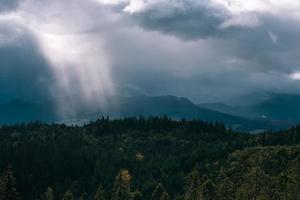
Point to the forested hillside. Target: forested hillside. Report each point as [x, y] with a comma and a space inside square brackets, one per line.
[147, 158]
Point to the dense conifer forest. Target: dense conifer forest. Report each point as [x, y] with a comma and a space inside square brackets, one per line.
[147, 158]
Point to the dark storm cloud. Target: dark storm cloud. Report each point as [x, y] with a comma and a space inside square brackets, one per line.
[266, 40]
[249, 36]
[203, 70]
[7, 5]
[256, 45]
[24, 73]
[191, 19]
[188, 22]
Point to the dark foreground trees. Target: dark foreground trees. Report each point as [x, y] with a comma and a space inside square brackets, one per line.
[8, 189]
[244, 176]
[161, 158]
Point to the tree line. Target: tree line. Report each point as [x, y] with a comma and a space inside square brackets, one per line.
[150, 158]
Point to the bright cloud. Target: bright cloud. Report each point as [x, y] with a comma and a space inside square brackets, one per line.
[295, 76]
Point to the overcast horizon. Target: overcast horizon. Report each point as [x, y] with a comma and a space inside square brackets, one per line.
[204, 50]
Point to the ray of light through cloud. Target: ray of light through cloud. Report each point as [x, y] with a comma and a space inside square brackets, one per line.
[79, 64]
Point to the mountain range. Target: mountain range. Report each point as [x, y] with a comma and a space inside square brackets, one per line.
[278, 107]
[278, 111]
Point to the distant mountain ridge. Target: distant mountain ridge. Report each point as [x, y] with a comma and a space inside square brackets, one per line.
[278, 107]
[243, 119]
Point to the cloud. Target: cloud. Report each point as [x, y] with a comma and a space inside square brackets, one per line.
[295, 76]
[195, 19]
[136, 6]
[24, 73]
[241, 20]
[273, 37]
[203, 70]
[7, 5]
[242, 32]
[83, 51]
[186, 19]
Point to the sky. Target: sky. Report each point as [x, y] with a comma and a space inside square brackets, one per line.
[90, 50]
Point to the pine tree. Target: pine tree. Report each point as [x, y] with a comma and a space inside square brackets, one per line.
[253, 185]
[282, 186]
[272, 188]
[193, 186]
[137, 195]
[226, 190]
[293, 183]
[121, 190]
[68, 196]
[49, 194]
[99, 193]
[208, 190]
[160, 193]
[8, 189]
[2, 187]
[83, 196]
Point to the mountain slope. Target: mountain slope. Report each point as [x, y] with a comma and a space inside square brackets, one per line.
[175, 107]
[279, 107]
[178, 108]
